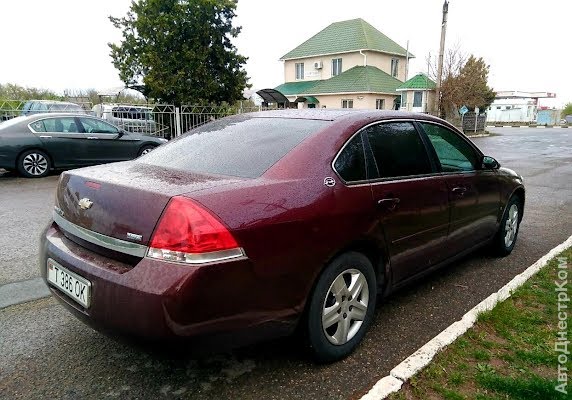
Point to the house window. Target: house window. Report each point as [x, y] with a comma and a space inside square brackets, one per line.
[403, 99]
[299, 70]
[379, 104]
[498, 107]
[417, 99]
[394, 67]
[336, 66]
[348, 103]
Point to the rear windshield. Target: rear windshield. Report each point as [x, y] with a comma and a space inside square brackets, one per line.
[131, 113]
[63, 107]
[237, 146]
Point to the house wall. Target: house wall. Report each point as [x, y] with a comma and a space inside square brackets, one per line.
[548, 117]
[367, 102]
[427, 101]
[383, 62]
[349, 60]
[512, 110]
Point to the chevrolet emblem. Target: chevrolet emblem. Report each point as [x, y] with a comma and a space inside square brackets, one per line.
[85, 203]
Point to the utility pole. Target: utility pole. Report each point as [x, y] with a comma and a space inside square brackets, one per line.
[406, 62]
[437, 107]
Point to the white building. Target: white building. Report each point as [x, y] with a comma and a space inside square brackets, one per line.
[516, 106]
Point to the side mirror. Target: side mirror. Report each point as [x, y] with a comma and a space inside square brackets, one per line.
[490, 163]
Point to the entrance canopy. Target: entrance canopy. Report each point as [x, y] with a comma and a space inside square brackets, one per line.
[272, 96]
[307, 99]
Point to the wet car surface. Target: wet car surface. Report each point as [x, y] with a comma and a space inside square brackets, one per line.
[240, 228]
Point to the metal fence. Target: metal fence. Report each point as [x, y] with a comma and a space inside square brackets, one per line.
[162, 120]
[473, 122]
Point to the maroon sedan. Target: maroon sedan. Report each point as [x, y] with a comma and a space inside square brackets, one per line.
[260, 223]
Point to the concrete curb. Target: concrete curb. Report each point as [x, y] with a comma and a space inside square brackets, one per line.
[383, 388]
[527, 126]
[423, 356]
[22, 292]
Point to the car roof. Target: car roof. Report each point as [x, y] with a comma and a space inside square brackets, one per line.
[336, 114]
[142, 106]
[58, 114]
[53, 102]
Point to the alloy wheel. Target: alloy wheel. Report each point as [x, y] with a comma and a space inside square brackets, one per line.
[345, 306]
[35, 164]
[146, 151]
[511, 225]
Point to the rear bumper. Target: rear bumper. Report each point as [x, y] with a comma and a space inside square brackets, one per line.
[156, 299]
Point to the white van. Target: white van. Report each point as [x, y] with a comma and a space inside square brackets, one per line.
[132, 118]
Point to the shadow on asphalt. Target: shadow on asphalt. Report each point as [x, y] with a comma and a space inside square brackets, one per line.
[12, 175]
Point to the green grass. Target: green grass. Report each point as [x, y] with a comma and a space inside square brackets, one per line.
[509, 353]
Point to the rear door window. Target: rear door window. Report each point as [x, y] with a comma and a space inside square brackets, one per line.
[38, 126]
[240, 146]
[398, 150]
[350, 163]
[61, 125]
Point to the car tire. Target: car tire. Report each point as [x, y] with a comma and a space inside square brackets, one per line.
[145, 149]
[505, 239]
[331, 331]
[34, 164]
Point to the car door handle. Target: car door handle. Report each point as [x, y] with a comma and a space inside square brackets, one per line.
[92, 137]
[459, 190]
[45, 137]
[389, 203]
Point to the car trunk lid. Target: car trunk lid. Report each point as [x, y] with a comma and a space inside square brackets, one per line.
[125, 200]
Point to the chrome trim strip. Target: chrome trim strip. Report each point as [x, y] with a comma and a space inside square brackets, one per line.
[108, 242]
[359, 131]
[201, 258]
[407, 177]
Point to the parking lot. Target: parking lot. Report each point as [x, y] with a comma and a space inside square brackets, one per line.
[47, 353]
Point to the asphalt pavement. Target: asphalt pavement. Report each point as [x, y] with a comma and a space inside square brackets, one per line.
[47, 353]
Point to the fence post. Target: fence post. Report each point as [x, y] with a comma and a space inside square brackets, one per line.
[178, 127]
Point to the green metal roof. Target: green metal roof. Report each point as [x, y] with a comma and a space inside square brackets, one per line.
[419, 81]
[311, 99]
[295, 88]
[359, 79]
[346, 36]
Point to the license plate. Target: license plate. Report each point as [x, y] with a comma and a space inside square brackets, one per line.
[73, 285]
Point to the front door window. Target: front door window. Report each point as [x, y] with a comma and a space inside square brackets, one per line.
[453, 152]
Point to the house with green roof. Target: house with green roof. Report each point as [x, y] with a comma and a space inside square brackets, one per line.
[417, 93]
[348, 64]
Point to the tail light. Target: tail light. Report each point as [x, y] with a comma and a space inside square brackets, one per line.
[188, 233]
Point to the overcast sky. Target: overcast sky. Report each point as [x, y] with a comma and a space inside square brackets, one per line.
[62, 44]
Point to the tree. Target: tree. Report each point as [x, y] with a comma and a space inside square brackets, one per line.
[465, 82]
[567, 110]
[10, 91]
[180, 51]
